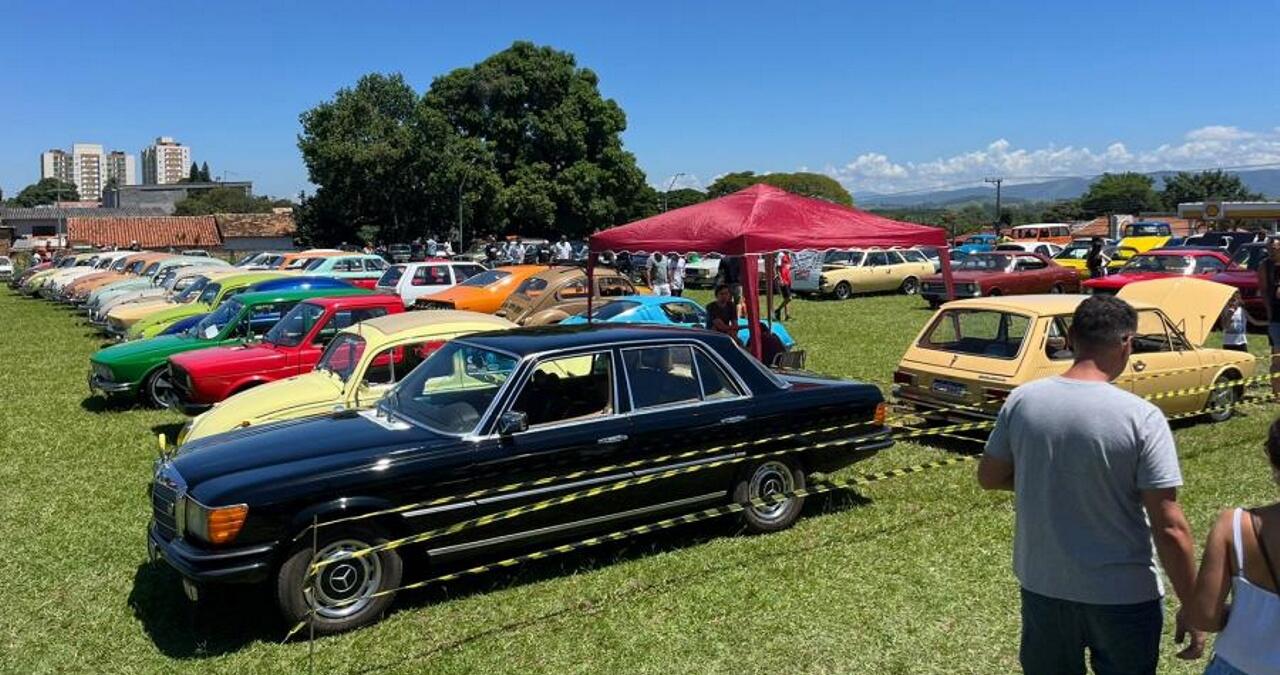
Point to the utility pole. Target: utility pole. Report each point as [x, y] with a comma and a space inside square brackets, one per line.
[669, 186]
[997, 180]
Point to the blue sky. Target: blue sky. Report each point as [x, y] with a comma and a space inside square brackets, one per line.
[885, 96]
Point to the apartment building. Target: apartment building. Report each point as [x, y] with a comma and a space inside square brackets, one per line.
[165, 162]
[121, 168]
[89, 167]
[55, 163]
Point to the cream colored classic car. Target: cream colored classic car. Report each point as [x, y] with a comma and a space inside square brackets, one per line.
[975, 351]
[845, 273]
[357, 368]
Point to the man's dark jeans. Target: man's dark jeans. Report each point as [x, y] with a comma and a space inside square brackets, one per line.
[1120, 638]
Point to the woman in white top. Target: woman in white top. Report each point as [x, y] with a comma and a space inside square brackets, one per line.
[1238, 558]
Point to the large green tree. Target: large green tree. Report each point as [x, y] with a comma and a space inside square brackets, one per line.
[682, 197]
[1186, 186]
[47, 191]
[521, 142]
[1112, 193]
[222, 200]
[801, 183]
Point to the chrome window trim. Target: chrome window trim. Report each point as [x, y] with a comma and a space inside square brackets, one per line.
[613, 387]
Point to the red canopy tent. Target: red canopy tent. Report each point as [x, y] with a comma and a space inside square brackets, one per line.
[764, 219]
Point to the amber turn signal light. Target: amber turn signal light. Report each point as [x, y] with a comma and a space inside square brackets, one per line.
[881, 413]
[224, 523]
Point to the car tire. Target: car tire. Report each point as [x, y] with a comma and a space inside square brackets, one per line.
[934, 303]
[357, 579]
[1056, 289]
[994, 293]
[843, 291]
[1220, 405]
[156, 388]
[910, 286]
[772, 476]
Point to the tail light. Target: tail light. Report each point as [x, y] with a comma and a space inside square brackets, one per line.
[902, 377]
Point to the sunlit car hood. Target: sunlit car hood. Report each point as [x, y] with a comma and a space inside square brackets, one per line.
[1193, 304]
[251, 357]
[317, 392]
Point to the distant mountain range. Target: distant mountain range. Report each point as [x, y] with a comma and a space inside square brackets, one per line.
[1265, 181]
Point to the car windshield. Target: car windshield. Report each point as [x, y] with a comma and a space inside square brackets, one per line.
[212, 325]
[1147, 230]
[313, 264]
[613, 309]
[532, 287]
[984, 263]
[1074, 252]
[392, 276]
[485, 278]
[342, 355]
[271, 261]
[301, 263]
[192, 291]
[210, 292]
[453, 388]
[295, 325]
[1170, 264]
[981, 332]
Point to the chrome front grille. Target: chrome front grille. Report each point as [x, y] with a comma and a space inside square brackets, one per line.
[167, 490]
[933, 287]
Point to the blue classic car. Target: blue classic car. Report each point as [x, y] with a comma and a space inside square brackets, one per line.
[978, 243]
[665, 310]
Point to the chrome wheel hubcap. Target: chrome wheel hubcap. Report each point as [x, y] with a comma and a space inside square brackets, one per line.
[346, 587]
[161, 388]
[769, 479]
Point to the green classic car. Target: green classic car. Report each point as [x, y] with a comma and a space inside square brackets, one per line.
[212, 297]
[140, 369]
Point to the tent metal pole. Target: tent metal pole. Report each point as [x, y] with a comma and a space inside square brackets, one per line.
[591, 283]
[944, 256]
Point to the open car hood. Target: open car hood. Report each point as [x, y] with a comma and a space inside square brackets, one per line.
[1193, 304]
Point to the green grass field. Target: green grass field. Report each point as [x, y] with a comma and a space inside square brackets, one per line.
[908, 575]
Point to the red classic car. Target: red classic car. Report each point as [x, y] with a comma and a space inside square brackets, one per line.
[292, 347]
[1002, 273]
[1158, 264]
[1243, 274]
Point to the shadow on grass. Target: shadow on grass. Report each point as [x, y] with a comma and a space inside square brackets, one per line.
[102, 404]
[229, 618]
[635, 588]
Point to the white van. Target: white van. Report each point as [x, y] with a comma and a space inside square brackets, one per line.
[411, 281]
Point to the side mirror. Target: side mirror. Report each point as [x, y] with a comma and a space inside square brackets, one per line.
[512, 422]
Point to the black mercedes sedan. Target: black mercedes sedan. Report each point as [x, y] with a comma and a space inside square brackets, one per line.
[489, 423]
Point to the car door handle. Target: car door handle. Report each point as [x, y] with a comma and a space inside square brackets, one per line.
[1139, 366]
[612, 440]
[733, 419]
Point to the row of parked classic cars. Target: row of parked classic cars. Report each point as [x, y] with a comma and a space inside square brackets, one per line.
[317, 400]
[319, 395]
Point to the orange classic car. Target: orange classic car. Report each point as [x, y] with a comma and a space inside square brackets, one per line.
[484, 292]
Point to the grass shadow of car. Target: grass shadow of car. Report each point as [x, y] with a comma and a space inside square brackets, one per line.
[233, 617]
[98, 404]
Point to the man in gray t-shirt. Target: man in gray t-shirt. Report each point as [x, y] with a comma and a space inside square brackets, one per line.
[1095, 475]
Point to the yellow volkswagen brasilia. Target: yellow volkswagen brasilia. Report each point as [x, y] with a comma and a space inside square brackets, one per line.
[975, 351]
[357, 368]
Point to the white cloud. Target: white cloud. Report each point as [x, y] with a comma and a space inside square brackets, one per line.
[1206, 147]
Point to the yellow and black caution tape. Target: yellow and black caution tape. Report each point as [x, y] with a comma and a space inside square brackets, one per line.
[595, 471]
[625, 483]
[827, 485]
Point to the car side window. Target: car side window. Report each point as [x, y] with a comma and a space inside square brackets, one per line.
[262, 317]
[343, 319]
[877, 258]
[894, 257]
[661, 376]
[1208, 265]
[615, 287]
[572, 290]
[716, 384]
[431, 275]
[393, 363]
[1027, 263]
[1055, 343]
[1153, 335]
[567, 388]
[464, 272]
[684, 313]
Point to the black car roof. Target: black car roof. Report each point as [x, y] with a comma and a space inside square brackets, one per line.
[530, 340]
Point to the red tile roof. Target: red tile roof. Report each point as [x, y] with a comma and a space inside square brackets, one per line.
[255, 224]
[148, 231]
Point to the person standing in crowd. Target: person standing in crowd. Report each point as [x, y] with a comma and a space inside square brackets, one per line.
[657, 275]
[730, 274]
[1235, 326]
[675, 272]
[1093, 259]
[517, 252]
[1085, 459]
[722, 313]
[782, 280]
[1267, 286]
[445, 249]
[1240, 558]
[563, 250]
[432, 246]
[491, 251]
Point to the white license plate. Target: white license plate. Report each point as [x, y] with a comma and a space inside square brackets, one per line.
[949, 388]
